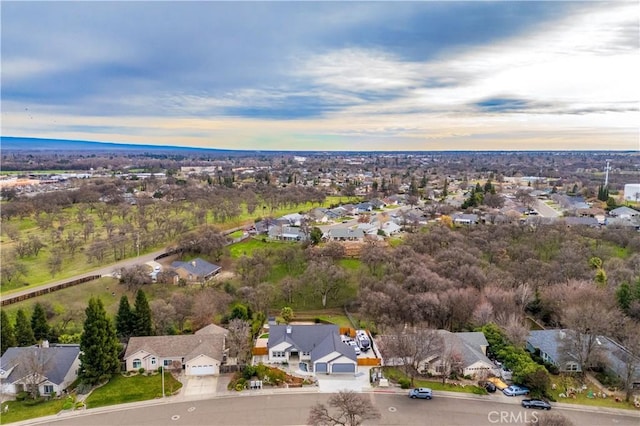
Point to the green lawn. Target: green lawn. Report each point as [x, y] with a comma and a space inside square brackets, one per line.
[351, 264]
[122, 389]
[19, 411]
[395, 374]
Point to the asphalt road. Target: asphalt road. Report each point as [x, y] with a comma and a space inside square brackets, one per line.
[293, 409]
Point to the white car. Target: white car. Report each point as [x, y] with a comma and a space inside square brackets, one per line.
[355, 346]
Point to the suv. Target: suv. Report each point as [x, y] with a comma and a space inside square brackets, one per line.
[536, 403]
[424, 393]
[515, 390]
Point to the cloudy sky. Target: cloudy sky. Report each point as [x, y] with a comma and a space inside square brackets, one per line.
[325, 75]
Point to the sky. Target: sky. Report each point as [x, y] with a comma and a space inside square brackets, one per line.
[320, 76]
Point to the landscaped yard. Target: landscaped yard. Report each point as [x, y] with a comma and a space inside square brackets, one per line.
[19, 410]
[395, 374]
[121, 389]
[589, 396]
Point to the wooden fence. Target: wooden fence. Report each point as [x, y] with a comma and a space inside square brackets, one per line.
[40, 292]
[262, 350]
[374, 362]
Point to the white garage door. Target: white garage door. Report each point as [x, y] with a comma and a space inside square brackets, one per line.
[202, 370]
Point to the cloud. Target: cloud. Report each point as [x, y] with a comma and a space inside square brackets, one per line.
[402, 73]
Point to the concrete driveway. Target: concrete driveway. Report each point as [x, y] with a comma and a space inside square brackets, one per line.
[336, 382]
[200, 386]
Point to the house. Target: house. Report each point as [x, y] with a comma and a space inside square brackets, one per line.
[287, 233]
[56, 366]
[293, 219]
[547, 343]
[470, 350]
[465, 219]
[364, 208]
[391, 228]
[615, 357]
[624, 212]
[196, 270]
[581, 221]
[319, 215]
[319, 346]
[199, 354]
[344, 234]
[377, 203]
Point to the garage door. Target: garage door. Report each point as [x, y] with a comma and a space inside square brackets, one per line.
[343, 368]
[321, 367]
[202, 370]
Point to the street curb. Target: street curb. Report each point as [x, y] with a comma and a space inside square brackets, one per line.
[287, 391]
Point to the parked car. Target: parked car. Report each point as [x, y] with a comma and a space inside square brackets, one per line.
[490, 387]
[515, 390]
[536, 403]
[424, 393]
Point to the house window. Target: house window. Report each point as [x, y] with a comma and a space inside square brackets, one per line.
[278, 354]
[137, 363]
[153, 360]
[572, 366]
[48, 389]
[167, 363]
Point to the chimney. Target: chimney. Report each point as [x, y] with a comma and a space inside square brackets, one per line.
[288, 329]
[45, 343]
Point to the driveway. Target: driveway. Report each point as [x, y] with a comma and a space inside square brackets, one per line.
[333, 383]
[200, 386]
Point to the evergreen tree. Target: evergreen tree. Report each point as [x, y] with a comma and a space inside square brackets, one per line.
[124, 319]
[7, 334]
[99, 345]
[624, 297]
[24, 332]
[142, 323]
[39, 323]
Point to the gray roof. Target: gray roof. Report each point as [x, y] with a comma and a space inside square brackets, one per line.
[318, 339]
[287, 232]
[58, 359]
[465, 346]
[474, 338]
[465, 217]
[187, 346]
[345, 233]
[547, 341]
[213, 329]
[624, 211]
[197, 267]
[584, 221]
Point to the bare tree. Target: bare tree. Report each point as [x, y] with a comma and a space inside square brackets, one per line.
[325, 279]
[350, 409]
[239, 340]
[586, 316]
[408, 349]
[35, 362]
[135, 277]
[163, 314]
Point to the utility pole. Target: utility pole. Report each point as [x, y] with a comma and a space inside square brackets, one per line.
[606, 174]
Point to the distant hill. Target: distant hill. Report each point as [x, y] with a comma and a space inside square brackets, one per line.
[9, 143]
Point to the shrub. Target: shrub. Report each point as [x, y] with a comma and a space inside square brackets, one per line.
[32, 402]
[404, 383]
[141, 370]
[21, 396]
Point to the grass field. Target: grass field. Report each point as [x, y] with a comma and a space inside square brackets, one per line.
[20, 411]
[37, 269]
[585, 397]
[122, 389]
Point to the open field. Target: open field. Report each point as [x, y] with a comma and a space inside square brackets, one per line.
[21, 410]
[37, 267]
